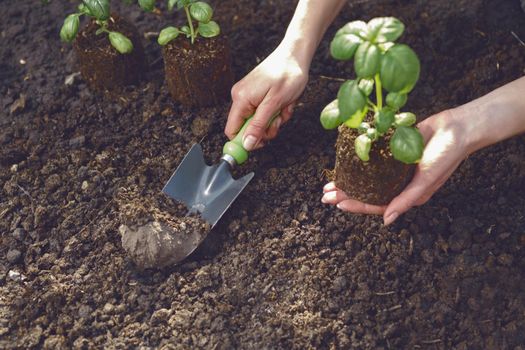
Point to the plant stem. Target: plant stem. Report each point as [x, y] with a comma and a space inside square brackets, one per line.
[379, 92]
[190, 22]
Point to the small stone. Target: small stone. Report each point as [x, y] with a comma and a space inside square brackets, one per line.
[160, 316]
[14, 255]
[19, 105]
[108, 308]
[85, 185]
[14, 168]
[70, 79]
[19, 234]
[77, 141]
[15, 276]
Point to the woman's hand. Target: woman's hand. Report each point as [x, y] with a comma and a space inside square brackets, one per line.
[450, 136]
[446, 147]
[273, 86]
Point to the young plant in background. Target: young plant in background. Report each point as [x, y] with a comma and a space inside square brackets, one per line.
[379, 63]
[197, 72]
[99, 11]
[199, 21]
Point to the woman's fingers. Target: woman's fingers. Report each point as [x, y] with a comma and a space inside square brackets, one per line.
[358, 207]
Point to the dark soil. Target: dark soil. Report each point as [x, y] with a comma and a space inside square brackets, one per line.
[101, 65]
[280, 270]
[377, 181]
[199, 74]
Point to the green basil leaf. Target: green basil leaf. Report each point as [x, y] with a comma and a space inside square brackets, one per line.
[209, 30]
[167, 34]
[407, 145]
[201, 12]
[84, 9]
[186, 30]
[396, 100]
[383, 29]
[351, 100]
[383, 120]
[343, 46]
[362, 145]
[405, 119]
[330, 116]
[356, 119]
[358, 28]
[367, 86]
[69, 29]
[98, 8]
[367, 60]
[147, 5]
[120, 42]
[171, 4]
[399, 69]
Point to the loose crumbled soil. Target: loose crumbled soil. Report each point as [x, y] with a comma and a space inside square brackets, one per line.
[101, 65]
[198, 74]
[376, 181]
[280, 270]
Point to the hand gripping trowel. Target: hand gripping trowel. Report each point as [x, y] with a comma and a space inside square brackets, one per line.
[208, 190]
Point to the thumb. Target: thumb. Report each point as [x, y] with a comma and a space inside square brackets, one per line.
[256, 130]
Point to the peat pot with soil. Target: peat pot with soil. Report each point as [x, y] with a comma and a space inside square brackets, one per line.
[377, 145]
[108, 49]
[197, 60]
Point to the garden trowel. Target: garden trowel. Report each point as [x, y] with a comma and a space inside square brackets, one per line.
[208, 190]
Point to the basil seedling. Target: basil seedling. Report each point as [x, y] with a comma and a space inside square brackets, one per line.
[379, 63]
[199, 20]
[99, 11]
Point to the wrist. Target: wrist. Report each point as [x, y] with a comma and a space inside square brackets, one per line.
[300, 49]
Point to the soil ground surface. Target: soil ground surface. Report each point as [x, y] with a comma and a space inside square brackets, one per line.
[280, 270]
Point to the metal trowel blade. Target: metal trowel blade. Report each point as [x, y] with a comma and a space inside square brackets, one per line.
[208, 190]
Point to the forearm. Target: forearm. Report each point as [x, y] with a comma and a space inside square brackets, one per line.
[307, 27]
[494, 117]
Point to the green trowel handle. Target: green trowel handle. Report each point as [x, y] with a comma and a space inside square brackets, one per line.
[234, 147]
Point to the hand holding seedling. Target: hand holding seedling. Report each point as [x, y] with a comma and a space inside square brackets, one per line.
[450, 136]
[99, 11]
[277, 82]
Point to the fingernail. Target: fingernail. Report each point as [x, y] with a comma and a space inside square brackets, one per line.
[277, 122]
[340, 206]
[324, 199]
[249, 142]
[391, 218]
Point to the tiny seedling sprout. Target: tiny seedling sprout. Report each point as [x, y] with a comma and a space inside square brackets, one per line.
[379, 63]
[98, 10]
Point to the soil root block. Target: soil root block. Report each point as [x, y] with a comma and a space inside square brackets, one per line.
[101, 65]
[199, 74]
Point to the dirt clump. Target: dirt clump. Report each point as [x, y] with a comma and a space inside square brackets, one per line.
[155, 235]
